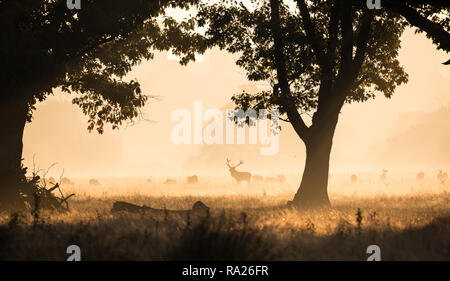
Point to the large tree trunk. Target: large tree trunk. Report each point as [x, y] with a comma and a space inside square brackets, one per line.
[13, 115]
[313, 190]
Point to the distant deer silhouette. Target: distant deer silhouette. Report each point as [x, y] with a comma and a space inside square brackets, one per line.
[420, 176]
[238, 176]
[281, 178]
[192, 179]
[354, 178]
[94, 182]
[66, 181]
[271, 179]
[277, 179]
[383, 176]
[257, 178]
[442, 177]
[170, 181]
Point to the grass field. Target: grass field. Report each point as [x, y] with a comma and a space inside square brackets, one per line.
[406, 218]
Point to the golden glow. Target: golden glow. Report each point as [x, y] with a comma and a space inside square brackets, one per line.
[367, 138]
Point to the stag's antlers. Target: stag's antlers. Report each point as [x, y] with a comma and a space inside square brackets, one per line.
[231, 166]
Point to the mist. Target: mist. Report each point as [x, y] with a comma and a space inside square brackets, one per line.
[408, 131]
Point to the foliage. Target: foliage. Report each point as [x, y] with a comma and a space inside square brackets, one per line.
[88, 52]
[247, 31]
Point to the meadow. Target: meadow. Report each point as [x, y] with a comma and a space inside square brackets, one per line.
[408, 219]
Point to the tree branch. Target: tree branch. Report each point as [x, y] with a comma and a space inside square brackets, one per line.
[435, 3]
[439, 35]
[294, 117]
[332, 37]
[315, 43]
[361, 42]
[347, 36]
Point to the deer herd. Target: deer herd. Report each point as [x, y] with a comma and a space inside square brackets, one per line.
[238, 177]
[441, 176]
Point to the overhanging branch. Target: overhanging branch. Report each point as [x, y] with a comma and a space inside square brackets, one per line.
[439, 35]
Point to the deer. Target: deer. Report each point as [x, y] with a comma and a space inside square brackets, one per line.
[442, 177]
[94, 182]
[192, 179]
[383, 176]
[281, 178]
[238, 176]
[66, 181]
[170, 181]
[420, 176]
[271, 180]
[258, 178]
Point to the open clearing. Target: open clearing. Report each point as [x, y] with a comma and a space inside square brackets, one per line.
[406, 218]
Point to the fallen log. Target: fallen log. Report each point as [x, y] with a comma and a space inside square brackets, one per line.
[199, 209]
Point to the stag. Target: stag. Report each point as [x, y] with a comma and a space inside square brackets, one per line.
[238, 176]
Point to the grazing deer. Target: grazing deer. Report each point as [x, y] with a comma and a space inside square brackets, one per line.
[238, 176]
[66, 181]
[420, 176]
[281, 178]
[442, 177]
[383, 176]
[94, 182]
[257, 178]
[170, 181]
[354, 178]
[271, 179]
[192, 179]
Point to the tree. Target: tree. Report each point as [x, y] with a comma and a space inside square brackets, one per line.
[429, 16]
[86, 52]
[316, 56]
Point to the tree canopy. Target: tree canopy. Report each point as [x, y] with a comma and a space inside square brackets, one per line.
[330, 56]
[316, 56]
[45, 45]
[429, 16]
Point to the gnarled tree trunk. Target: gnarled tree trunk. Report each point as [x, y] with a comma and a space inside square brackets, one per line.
[13, 115]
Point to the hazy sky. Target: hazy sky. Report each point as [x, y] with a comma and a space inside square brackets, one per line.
[58, 131]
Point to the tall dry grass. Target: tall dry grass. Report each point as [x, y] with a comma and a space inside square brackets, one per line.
[409, 220]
